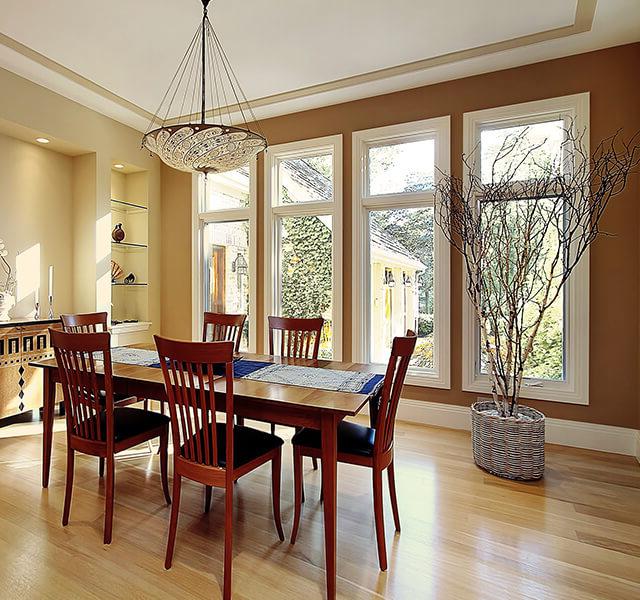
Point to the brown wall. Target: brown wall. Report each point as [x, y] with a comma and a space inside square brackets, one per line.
[611, 77]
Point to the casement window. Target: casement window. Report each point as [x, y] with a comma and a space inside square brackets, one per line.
[303, 235]
[225, 248]
[400, 258]
[558, 369]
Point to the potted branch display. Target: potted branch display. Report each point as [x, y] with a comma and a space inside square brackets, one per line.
[522, 227]
[7, 285]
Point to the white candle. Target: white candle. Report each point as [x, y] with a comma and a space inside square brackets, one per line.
[50, 281]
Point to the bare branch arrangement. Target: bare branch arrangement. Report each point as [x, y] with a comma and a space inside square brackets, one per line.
[522, 227]
[9, 284]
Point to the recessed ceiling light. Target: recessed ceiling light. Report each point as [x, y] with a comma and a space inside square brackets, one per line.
[42, 140]
[119, 166]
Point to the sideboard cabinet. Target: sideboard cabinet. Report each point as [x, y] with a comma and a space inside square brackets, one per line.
[22, 341]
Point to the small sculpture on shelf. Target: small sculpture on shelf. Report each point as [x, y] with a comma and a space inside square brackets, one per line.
[118, 233]
[116, 271]
[130, 278]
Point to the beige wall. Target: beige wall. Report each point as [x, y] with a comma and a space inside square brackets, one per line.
[611, 78]
[36, 222]
[98, 142]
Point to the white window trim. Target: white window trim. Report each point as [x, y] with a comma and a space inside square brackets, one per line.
[199, 220]
[437, 128]
[575, 388]
[278, 152]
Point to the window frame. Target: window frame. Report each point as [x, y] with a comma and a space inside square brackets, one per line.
[437, 128]
[200, 219]
[574, 389]
[274, 212]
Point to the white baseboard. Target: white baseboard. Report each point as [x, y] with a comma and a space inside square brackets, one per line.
[591, 436]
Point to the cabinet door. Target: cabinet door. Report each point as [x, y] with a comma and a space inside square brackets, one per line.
[11, 372]
[35, 345]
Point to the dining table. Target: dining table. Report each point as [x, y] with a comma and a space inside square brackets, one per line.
[290, 405]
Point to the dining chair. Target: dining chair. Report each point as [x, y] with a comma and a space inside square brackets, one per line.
[220, 327]
[96, 322]
[364, 446]
[204, 450]
[299, 338]
[94, 425]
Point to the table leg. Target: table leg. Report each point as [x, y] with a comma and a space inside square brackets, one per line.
[329, 475]
[49, 402]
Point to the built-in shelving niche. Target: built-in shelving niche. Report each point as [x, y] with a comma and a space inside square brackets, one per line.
[130, 301]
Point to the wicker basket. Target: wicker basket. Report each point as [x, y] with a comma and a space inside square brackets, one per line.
[508, 447]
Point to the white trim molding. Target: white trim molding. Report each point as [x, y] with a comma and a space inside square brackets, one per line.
[577, 434]
[273, 211]
[437, 129]
[574, 389]
[200, 218]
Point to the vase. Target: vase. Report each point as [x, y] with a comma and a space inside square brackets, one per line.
[510, 447]
[7, 302]
[118, 233]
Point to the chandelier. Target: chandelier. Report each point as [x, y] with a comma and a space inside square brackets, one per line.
[188, 142]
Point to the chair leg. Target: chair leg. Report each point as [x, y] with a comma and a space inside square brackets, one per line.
[108, 515]
[298, 484]
[240, 421]
[228, 542]
[394, 498]
[69, 486]
[207, 498]
[173, 522]
[101, 466]
[273, 428]
[314, 460]
[145, 404]
[379, 517]
[276, 470]
[164, 451]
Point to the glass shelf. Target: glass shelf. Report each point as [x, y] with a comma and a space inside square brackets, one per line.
[119, 283]
[128, 207]
[128, 245]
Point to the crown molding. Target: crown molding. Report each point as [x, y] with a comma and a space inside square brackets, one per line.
[33, 65]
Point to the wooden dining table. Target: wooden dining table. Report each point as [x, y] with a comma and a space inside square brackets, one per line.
[289, 405]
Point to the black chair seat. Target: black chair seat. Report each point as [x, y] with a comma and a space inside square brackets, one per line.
[129, 422]
[352, 438]
[248, 444]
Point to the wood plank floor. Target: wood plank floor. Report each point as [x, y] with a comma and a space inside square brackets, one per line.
[466, 534]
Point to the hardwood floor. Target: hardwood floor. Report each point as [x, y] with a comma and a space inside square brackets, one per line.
[465, 534]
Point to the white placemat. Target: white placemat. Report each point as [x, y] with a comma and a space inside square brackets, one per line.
[323, 379]
[134, 356]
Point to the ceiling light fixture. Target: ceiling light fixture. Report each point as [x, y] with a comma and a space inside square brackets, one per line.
[190, 143]
[42, 140]
[118, 166]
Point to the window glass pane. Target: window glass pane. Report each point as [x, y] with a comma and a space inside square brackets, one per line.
[306, 179]
[401, 284]
[227, 190]
[546, 264]
[306, 271]
[226, 270]
[518, 153]
[400, 168]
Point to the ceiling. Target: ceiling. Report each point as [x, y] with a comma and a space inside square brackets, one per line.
[117, 57]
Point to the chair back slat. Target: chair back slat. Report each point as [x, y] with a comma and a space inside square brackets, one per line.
[186, 367]
[85, 323]
[220, 327]
[401, 351]
[299, 338]
[77, 355]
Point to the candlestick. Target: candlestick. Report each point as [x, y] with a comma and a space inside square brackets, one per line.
[36, 312]
[51, 307]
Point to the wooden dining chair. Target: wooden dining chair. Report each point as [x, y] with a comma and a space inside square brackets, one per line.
[94, 425]
[96, 322]
[299, 338]
[364, 446]
[221, 327]
[205, 451]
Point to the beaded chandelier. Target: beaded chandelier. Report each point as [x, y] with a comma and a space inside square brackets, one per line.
[190, 143]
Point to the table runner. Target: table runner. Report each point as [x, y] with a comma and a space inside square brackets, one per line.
[355, 382]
